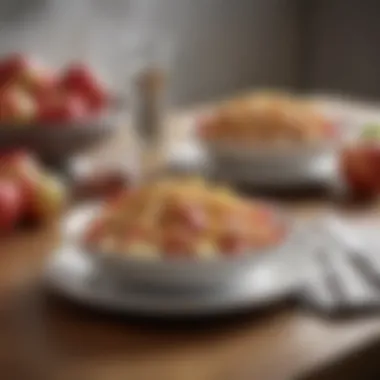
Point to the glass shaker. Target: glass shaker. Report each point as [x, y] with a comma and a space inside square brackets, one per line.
[149, 109]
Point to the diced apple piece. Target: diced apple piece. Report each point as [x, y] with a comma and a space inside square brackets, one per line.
[141, 250]
[232, 243]
[185, 213]
[206, 250]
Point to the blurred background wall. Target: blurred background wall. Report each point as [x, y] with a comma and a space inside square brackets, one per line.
[343, 52]
[215, 47]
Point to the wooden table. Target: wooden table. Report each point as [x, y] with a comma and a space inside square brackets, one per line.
[42, 333]
[274, 345]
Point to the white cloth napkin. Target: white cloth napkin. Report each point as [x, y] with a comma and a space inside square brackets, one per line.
[345, 265]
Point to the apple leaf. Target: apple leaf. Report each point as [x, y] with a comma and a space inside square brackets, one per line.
[371, 132]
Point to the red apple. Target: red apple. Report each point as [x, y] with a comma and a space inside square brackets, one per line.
[41, 196]
[11, 68]
[48, 197]
[62, 109]
[10, 205]
[33, 77]
[28, 189]
[16, 106]
[79, 79]
[360, 166]
[23, 169]
[18, 165]
[40, 83]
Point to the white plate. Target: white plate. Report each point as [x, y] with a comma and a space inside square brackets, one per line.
[71, 274]
[173, 288]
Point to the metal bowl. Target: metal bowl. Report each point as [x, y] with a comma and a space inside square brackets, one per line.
[279, 263]
[55, 143]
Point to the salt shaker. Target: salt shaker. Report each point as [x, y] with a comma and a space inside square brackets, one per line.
[149, 117]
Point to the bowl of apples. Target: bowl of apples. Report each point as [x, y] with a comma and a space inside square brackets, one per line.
[182, 234]
[55, 114]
